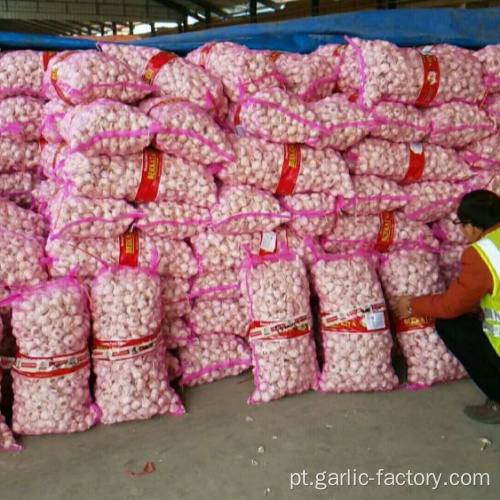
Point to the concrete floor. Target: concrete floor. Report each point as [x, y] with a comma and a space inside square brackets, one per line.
[208, 453]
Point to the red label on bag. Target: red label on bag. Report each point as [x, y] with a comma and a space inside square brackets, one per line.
[113, 350]
[152, 163]
[205, 51]
[56, 366]
[290, 170]
[53, 77]
[432, 76]
[339, 50]
[155, 64]
[413, 324]
[6, 363]
[42, 143]
[417, 164]
[385, 237]
[129, 249]
[46, 58]
[273, 56]
[291, 328]
[370, 319]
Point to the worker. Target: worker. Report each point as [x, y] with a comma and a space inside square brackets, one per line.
[473, 339]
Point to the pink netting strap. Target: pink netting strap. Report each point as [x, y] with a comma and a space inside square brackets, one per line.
[472, 157]
[439, 233]
[13, 128]
[111, 134]
[194, 135]
[21, 91]
[219, 366]
[132, 216]
[432, 206]
[417, 387]
[319, 83]
[174, 223]
[74, 92]
[247, 215]
[368, 255]
[317, 126]
[97, 411]
[399, 123]
[362, 70]
[367, 199]
[15, 447]
[210, 290]
[459, 128]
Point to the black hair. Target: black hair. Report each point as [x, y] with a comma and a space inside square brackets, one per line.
[480, 208]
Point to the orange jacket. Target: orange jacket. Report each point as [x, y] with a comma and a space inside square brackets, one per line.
[464, 293]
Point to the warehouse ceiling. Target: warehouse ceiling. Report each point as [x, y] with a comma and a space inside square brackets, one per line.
[151, 17]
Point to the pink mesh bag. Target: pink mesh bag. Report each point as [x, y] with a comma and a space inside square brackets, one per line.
[76, 217]
[283, 349]
[277, 116]
[21, 118]
[128, 352]
[7, 441]
[52, 115]
[175, 297]
[173, 75]
[239, 68]
[15, 218]
[355, 328]
[311, 213]
[52, 367]
[186, 130]
[132, 248]
[434, 200]
[415, 272]
[177, 333]
[143, 177]
[285, 169]
[23, 263]
[21, 72]
[407, 163]
[79, 77]
[427, 76]
[346, 122]
[213, 357]
[309, 76]
[18, 156]
[382, 232]
[244, 209]
[399, 123]
[107, 127]
[455, 125]
[174, 220]
[373, 195]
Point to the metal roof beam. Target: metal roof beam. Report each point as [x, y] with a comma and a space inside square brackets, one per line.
[20, 27]
[212, 8]
[182, 9]
[270, 4]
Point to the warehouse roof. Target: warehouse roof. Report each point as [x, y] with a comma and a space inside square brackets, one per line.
[145, 17]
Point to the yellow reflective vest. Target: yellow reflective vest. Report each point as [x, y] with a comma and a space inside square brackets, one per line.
[488, 248]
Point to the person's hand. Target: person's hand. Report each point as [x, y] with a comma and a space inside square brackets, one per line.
[403, 307]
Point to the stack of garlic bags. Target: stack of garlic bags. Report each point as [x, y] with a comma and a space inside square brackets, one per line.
[21, 110]
[412, 163]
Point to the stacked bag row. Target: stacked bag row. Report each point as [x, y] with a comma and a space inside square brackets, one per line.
[238, 183]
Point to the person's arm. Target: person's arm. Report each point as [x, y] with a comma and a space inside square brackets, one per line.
[464, 293]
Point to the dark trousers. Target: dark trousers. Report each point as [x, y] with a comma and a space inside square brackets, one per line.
[465, 338]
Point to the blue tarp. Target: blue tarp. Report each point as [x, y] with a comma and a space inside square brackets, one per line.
[468, 28]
